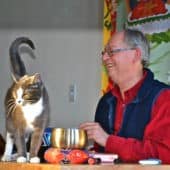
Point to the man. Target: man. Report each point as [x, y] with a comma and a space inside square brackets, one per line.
[133, 118]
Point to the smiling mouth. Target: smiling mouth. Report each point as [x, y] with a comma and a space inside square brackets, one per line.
[109, 65]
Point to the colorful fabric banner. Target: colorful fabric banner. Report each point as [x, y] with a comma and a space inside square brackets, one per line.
[151, 17]
[109, 28]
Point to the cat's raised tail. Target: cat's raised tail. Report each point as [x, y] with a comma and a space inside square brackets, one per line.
[17, 65]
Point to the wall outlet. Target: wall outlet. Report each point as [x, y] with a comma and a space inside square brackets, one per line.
[72, 93]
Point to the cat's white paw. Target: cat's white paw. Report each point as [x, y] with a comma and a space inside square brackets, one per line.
[14, 157]
[28, 155]
[6, 158]
[21, 159]
[35, 160]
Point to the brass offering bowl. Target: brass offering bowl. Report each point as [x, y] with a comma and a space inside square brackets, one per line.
[69, 138]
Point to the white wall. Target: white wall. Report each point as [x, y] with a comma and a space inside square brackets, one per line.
[68, 39]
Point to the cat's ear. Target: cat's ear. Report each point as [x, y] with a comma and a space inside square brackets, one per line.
[37, 78]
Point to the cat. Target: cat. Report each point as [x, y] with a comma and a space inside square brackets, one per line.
[2, 145]
[27, 108]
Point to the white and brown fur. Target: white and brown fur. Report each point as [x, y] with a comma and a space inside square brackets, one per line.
[27, 109]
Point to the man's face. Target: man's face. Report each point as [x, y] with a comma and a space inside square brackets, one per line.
[118, 58]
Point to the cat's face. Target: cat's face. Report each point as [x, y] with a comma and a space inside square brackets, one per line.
[28, 89]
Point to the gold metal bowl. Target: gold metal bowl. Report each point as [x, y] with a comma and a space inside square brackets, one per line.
[69, 138]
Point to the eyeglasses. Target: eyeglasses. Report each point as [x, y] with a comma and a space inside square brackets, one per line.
[112, 52]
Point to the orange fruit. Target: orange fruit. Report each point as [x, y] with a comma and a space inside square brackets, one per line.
[53, 155]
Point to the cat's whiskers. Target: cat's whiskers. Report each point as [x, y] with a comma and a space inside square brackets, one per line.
[11, 100]
[11, 109]
[10, 103]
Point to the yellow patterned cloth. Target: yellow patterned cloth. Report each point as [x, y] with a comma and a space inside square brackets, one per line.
[109, 27]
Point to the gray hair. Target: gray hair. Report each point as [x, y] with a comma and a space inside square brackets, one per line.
[135, 38]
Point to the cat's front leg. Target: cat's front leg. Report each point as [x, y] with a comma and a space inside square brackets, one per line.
[21, 147]
[7, 156]
[36, 140]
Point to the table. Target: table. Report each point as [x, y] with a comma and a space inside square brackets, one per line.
[28, 166]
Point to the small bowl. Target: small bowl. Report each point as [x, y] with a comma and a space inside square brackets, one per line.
[69, 138]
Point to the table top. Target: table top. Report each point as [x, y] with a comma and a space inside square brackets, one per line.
[45, 166]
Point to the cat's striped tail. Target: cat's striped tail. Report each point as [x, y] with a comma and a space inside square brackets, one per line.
[17, 65]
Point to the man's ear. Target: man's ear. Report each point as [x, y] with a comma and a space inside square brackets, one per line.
[138, 54]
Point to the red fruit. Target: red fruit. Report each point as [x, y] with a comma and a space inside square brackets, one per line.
[77, 156]
[53, 155]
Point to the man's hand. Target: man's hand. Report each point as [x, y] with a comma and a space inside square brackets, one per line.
[95, 132]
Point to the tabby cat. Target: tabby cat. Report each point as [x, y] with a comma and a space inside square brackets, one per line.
[27, 108]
